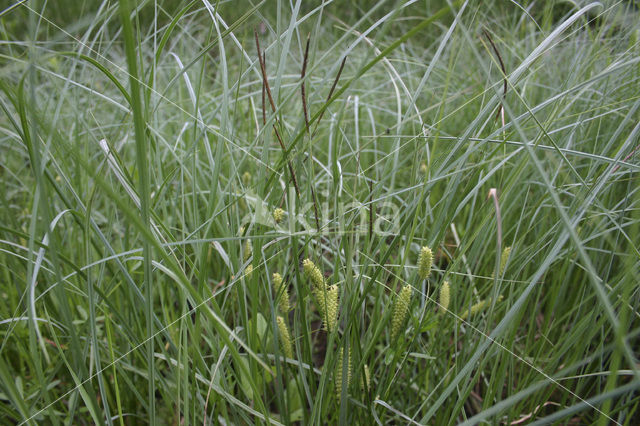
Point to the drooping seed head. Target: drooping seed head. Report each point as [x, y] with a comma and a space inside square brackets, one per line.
[327, 304]
[313, 273]
[425, 260]
[321, 302]
[400, 310]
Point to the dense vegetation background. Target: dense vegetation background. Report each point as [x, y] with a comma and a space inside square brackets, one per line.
[156, 173]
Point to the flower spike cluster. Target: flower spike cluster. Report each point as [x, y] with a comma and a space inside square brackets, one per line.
[400, 310]
[338, 375]
[479, 307]
[285, 337]
[282, 295]
[425, 260]
[326, 296]
[503, 259]
[313, 273]
[278, 215]
[444, 296]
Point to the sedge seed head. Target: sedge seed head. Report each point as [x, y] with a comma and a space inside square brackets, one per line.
[321, 302]
[479, 307]
[425, 260]
[327, 304]
[248, 250]
[246, 178]
[503, 259]
[313, 273]
[367, 379]
[282, 294]
[278, 215]
[285, 337]
[338, 374]
[248, 271]
[332, 308]
[400, 310]
[444, 296]
[277, 280]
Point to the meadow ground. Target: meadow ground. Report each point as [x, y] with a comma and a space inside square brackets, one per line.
[339, 212]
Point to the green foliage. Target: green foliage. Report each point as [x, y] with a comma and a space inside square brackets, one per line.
[155, 251]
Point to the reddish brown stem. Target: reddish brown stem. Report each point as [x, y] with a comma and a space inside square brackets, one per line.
[302, 89]
[504, 70]
[265, 85]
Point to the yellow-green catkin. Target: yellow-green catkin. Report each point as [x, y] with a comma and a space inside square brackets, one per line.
[367, 379]
[400, 309]
[479, 307]
[444, 297]
[425, 260]
[285, 337]
[282, 295]
[326, 296]
[278, 215]
[321, 304]
[338, 375]
[503, 259]
[313, 273]
[332, 308]
[248, 250]
[248, 271]
[246, 178]
[327, 302]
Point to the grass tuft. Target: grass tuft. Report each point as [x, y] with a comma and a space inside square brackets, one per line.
[170, 169]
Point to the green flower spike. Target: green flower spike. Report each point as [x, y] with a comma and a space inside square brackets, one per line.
[400, 310]
[282, 295]
[479, 307]
[331, 320]
[278, 215]
[367, 379]
[327, 303]
[285, 337]
[248, 250]
[246, 178]
[248, 271]
[313, 273]
[444, 297]
[338, 375]
[503, 259]
[425, 260]
[326, 296]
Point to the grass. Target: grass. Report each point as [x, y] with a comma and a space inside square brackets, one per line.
[145, 147]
